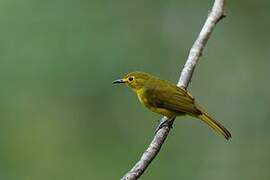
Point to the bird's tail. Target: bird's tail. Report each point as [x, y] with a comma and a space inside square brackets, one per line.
[215, 125]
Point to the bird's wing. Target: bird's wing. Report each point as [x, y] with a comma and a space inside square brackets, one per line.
[169, 96]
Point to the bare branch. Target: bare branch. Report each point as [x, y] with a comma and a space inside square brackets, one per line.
[215, 15]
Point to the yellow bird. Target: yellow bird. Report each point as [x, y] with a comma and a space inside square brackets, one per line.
[167, 99]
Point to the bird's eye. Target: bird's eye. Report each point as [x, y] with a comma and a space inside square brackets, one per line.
[130, 79]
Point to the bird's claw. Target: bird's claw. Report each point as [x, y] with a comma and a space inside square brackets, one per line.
[163, 123]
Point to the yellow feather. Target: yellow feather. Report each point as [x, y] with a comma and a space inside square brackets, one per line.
[167, 99]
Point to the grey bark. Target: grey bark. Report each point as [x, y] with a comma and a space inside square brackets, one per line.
[215, 15]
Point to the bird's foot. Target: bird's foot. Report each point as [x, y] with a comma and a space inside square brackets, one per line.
[163, 123]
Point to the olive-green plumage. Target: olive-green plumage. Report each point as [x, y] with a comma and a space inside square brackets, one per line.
[167, 99]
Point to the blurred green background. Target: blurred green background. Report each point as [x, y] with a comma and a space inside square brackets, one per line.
[61, 118]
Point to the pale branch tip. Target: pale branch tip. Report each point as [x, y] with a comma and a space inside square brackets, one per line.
[215, 15]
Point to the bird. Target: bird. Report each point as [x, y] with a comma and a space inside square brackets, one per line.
[167, 99]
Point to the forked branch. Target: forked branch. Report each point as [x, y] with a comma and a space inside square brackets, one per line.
[215, 15]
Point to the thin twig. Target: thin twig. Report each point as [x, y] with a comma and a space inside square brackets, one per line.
[215, 15]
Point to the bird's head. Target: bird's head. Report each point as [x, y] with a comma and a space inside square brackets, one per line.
[135, 80]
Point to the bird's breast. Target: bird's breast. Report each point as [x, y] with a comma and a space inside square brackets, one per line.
[142, 98]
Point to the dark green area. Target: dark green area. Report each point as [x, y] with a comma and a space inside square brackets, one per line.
[61, 118]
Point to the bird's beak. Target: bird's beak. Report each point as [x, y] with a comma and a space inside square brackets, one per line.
[118, 81]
